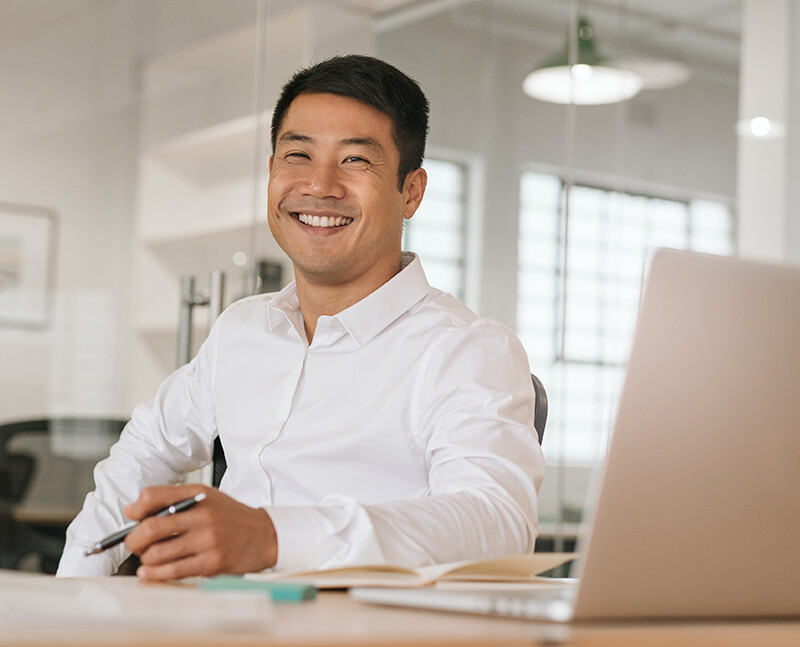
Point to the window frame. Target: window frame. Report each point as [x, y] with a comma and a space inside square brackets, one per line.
[560, 367]
[472, 208]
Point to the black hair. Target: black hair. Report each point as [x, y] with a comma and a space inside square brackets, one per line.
[374, 83]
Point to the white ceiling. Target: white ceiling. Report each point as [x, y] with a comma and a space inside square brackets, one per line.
[696, 32]
[700, 33]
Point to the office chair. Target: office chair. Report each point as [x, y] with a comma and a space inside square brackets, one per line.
[219, 464]
[539, 407]
[31, 472]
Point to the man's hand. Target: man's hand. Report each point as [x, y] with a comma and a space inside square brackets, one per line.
[218, 535]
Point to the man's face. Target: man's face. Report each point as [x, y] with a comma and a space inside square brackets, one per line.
[333, 201]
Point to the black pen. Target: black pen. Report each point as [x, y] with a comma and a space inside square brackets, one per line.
[117, 537]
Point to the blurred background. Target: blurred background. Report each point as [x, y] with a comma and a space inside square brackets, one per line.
[134, 154]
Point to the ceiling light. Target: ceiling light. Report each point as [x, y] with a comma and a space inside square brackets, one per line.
[587, 79]
[656, 74]
[760, 128]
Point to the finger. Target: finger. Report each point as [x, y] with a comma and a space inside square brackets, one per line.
[189, 566]
[178, 546]
[167, 550]
[154, 530]
[155, 498]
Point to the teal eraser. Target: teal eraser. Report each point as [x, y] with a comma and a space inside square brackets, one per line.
[278, 591]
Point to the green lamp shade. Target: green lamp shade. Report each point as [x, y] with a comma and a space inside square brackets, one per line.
[589, 80]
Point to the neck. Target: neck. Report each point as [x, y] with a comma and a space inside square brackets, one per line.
[320, 299]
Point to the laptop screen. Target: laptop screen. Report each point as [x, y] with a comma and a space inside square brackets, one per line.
[698, 513]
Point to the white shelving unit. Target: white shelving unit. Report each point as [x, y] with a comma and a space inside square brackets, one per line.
[198, 170]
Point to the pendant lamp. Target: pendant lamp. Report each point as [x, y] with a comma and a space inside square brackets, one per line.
[582, 79]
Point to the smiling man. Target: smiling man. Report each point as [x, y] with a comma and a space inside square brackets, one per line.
[366, 417]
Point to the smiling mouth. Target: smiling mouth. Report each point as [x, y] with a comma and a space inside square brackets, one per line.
[323, 221]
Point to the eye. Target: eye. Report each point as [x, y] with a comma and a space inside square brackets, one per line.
[296, 155]
[356, 159]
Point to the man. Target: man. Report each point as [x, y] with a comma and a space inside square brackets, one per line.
[366, 417]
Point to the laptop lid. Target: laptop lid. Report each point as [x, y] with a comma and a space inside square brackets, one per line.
[698, 512]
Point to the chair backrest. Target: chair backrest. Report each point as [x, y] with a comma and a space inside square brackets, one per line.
[46, 465]
[66, 449]
[16, 472]
[219, 464]
[540, 407]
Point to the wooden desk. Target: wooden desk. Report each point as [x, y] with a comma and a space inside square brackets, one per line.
[44, 515]
[333, 620]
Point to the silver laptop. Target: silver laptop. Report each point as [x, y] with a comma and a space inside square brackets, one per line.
[698, 508]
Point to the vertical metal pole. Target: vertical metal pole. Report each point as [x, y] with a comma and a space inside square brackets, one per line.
[569, 181]
[216, 296]
[259, 198]
[189, 301]
[185, 320]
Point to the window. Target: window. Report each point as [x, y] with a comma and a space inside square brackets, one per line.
[609, 238]
[437, 232]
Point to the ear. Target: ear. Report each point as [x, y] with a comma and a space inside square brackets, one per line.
[269, 166]
[413, 190]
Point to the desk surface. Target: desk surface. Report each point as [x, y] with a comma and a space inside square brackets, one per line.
[44, 515]
[333, 620]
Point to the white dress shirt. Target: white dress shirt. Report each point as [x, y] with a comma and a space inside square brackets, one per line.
[402, 434]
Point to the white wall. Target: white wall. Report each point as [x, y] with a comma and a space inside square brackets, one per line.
[768, 193]
[67, 135]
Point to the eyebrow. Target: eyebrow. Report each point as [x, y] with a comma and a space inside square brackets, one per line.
[290, 136]
[366, 142]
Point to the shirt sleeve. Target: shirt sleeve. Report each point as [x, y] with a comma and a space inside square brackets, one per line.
[473, 406]
[164, 440]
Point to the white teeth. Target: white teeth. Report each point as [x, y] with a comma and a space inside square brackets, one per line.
[323, 221]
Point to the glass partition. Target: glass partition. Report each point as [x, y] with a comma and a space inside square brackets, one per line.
[141, 129]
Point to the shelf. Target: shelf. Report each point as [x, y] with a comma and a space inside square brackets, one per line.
[201, 251]
[207, 83]
[235, 228]
[167, 333]
[211, 58]
[217, 153]
[162, 342]
[210, 246]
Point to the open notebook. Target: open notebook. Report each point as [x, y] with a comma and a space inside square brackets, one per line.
[512, 569]
[698, 513]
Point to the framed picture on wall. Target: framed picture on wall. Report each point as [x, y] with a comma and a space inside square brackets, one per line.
[27, 249]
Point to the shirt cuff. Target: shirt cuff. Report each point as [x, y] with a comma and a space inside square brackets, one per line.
[301, 532]
[75, 564]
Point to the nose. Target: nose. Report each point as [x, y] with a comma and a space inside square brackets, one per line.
[324, 181]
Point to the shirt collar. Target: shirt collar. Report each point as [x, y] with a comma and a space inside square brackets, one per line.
[285, 306]
[365, 319]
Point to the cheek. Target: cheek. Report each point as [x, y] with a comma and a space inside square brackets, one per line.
[392, 207]
[277, 190]
[282, 178]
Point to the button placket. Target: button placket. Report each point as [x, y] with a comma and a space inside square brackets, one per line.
[256, 463]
